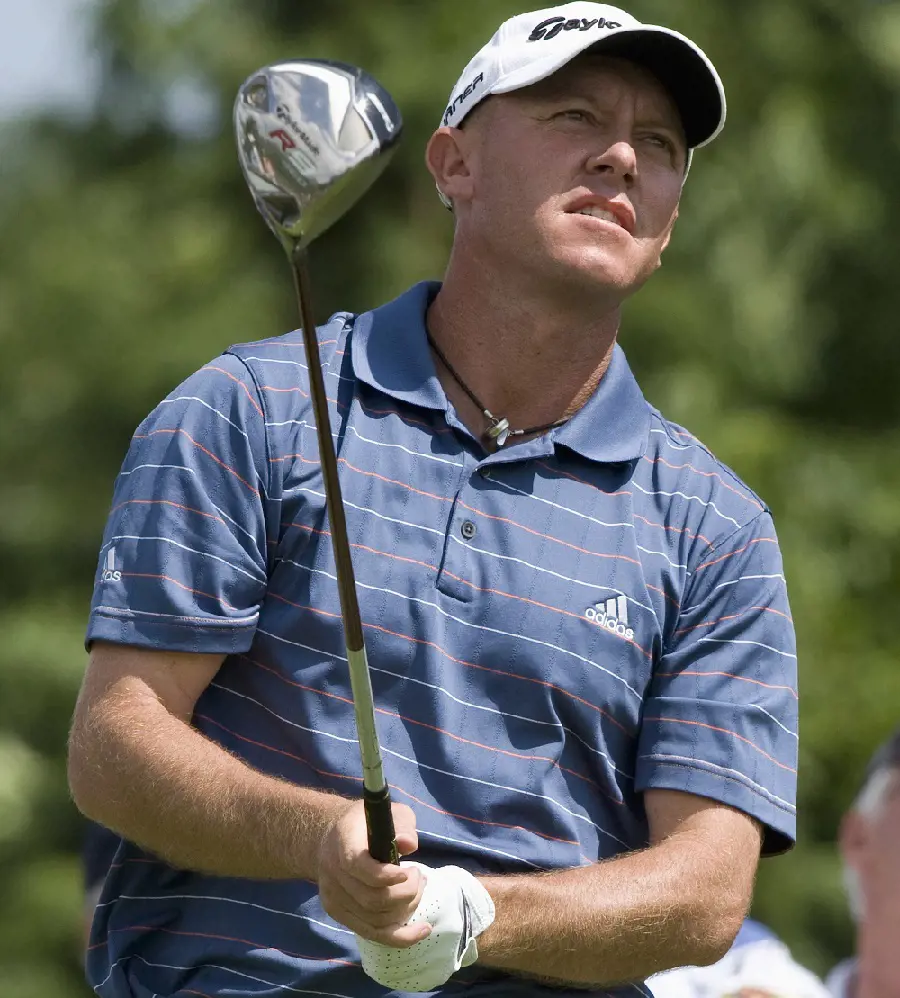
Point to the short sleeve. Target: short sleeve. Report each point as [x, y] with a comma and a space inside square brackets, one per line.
[720, 720]
[183, 566]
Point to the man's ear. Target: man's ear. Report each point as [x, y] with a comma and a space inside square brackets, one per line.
[447, 161]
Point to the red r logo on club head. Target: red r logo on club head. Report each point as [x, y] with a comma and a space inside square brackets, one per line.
[286, 141]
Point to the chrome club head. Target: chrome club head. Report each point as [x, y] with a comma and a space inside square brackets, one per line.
[312, 136]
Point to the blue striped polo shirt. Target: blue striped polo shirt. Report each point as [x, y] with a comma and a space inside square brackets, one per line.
[552, 629]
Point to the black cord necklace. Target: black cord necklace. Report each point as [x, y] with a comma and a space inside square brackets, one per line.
[499, 430]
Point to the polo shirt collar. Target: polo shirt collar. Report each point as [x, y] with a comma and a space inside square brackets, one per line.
[613, 426]
[389, 351]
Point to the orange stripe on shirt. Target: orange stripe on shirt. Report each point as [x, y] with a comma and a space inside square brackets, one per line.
[730, 675]
[210, 454]
[724, 731]
[285, 391]
[362, 547]
[731, 554]
[368, 474]
[664, 594]
[277, 751]
[674, 530]
[581, 481]
[549, 537]
[181, 585]
[481, 821]
[166, 502]
[228, 374]
[704, 474]
[733, 616]
[494, 748]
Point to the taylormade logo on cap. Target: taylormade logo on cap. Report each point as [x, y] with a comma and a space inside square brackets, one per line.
[553, 25]
[530, 47]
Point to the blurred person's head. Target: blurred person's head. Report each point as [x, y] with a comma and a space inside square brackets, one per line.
[870, 850]
[565, 146]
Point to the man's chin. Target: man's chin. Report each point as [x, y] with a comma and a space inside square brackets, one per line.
[603, 272]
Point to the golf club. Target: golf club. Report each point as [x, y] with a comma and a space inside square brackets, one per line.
[312, 136]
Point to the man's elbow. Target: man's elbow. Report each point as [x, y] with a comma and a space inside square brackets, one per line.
[89, 785]
[81, 774]
[714, 927]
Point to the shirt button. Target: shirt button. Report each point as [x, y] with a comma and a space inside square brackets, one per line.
[485, 472]
[468, 529]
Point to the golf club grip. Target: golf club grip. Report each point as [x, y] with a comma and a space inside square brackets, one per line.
[380, 825]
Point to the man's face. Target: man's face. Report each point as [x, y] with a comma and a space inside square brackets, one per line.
[871, 847]
[578, 177]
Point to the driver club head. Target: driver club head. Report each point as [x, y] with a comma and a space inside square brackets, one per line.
[312, 137]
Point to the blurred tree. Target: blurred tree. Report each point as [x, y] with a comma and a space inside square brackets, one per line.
[130, 253]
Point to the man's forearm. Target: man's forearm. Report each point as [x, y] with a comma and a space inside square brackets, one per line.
[613, 922]
[160, 783]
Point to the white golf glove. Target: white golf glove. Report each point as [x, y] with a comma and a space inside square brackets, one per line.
[458, 909]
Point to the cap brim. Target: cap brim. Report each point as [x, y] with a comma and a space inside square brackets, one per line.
[684, 72]
[687, 75]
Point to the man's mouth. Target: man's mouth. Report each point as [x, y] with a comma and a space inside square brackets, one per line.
[596, 212]
[616, 212]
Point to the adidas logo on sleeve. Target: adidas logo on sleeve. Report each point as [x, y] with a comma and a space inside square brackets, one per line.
[110, 572]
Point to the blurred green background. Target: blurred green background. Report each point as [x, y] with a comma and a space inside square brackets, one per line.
[130, 253]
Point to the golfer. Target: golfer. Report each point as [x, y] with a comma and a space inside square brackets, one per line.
[581, 649]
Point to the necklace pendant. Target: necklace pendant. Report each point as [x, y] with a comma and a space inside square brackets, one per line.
[498, 431]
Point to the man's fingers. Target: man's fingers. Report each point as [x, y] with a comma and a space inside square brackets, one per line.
[401, 937]
[373, 899]
[405, 829]
[352, 846]
[389, 928]
[346, 909]
[398, 901]
[366, 870]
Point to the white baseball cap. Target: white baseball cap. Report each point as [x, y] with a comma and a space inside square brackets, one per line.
[530, 47]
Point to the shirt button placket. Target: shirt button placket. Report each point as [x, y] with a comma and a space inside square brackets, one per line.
[457, 571]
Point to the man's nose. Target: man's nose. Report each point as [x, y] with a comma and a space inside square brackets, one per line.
[616, 160]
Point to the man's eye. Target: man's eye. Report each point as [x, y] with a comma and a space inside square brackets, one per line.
[661, 141]
[573, 114]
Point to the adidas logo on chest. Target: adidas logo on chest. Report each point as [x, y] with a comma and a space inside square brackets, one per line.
[611, 614]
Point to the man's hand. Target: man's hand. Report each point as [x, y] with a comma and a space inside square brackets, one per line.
[375, 900]
[458, 909]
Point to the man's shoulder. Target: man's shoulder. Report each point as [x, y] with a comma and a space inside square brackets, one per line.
[684, 469]
[254, 386]
[282, 355]
[275, 371]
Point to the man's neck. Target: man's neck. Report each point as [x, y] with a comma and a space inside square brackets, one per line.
[526, 358]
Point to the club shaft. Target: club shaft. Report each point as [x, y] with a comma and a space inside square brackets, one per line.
[379, 819]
